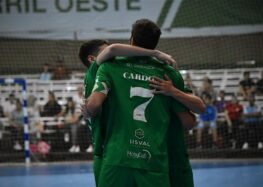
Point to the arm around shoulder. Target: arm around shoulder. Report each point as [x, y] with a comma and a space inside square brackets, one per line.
[129, 50]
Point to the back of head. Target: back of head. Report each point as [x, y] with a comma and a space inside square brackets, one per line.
[91, 47]
[145, 33]
[246, 74]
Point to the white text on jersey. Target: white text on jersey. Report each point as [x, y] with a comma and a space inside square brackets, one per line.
[136, 76]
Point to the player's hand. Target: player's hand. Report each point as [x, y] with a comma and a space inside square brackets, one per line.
[166, 58]
[161, 86]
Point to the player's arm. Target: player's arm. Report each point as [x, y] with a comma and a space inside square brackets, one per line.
[94, 103]
[98, 95]
[188, 119]
[166, 87]
[129, 50]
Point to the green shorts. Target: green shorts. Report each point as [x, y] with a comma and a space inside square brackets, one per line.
[117, 176]
[181, 177]
[97, 165]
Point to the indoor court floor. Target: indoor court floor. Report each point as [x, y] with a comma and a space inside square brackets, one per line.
[207, 173]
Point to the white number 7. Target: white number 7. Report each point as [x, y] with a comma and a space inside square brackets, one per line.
[139, 111]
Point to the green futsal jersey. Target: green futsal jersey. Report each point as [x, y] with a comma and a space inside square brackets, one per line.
[89, 79]
[178, 156]
[138, 120]
[97, 122]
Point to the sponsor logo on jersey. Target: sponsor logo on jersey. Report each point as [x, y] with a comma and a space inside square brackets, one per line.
[136, 76]
[139, 133]
[144, 154]
[139, 143]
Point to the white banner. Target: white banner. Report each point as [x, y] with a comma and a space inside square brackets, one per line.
[109, 19]
[73, 18]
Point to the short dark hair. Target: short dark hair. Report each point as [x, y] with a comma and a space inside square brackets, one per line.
[90, 48]
[145, 33]
[246, 73]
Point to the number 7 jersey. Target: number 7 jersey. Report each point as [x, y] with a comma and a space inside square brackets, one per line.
[136, 134]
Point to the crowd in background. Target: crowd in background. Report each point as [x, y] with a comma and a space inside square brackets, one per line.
[68, 122]
[59, 72]
[242, 123]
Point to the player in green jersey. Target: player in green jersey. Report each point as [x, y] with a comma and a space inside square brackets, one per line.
[145, 149]
[136, 148]
[87, 54]
[179, 166]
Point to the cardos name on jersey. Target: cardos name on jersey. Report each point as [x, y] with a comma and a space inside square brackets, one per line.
[136, 76]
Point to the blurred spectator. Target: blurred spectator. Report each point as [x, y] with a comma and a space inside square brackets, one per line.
[234, 113]
[35, 124]
[78, 99]
[220, 105]
[260, 85]
[2, 115]
[46, 74]
[247, 85]
[207, 88]
[72, 116]
[16, 125]
[60, 72]
[252, 121]
[10, 105]
[84, 130]
[207, 118]
[223, 122]
[51, 108]
[252, 111]
[189, 84]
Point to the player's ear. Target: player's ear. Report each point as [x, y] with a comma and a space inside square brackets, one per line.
[91, 58]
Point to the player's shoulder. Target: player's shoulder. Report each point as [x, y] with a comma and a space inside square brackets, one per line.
[117, 59]
[91, 71]
[170, 71]
[93, 67]
[113, 62]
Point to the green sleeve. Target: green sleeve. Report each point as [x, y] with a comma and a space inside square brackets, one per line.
[103, 81]
[90, 77]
